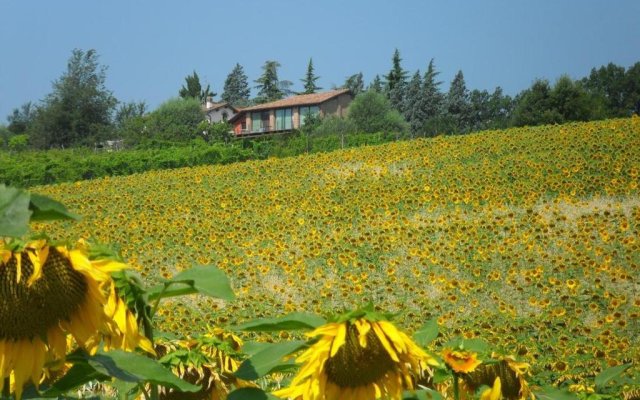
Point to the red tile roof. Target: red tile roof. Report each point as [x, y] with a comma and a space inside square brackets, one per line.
[300, 100]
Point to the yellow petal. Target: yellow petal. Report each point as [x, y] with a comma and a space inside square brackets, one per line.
[385, 342]
[494, 393]
[339, 339]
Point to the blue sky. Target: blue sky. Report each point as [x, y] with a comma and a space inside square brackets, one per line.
[150, 46]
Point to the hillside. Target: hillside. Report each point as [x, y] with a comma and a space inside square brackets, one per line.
[527, 238]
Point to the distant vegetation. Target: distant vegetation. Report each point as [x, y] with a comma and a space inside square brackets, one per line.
[82, 114]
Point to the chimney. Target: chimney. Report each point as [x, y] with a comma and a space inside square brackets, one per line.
[209, 102]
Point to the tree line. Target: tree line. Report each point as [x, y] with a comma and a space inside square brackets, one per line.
[81, 112]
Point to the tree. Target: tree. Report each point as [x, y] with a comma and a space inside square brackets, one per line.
[128, 111]
[632, 91]
[236, 88]
[79, 110]
[608, 85]
[371, 112]
[355, 84]
[534, 106]
[268, 85]
[458, 108]
[175, 120]
[194, 89]
[571, 101]
[310, 80]
[413, 110]
[21, 118]
[396, 83]
[376, 84]
[431, 101]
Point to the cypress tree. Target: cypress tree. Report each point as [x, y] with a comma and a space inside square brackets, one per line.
[414, 114]
[396, 83]
[310, 80]
[236, 87]
[458, 107]
[268, 84]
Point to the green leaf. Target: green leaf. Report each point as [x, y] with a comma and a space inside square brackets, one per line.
[550, 393]
[250, 393]
[47, 209]
[610, 373]
[206, 280]
[268, 360]
[14, 211]
[79, 374]
[132, 367]
[291, 321]
[427, 333]
[422, 394]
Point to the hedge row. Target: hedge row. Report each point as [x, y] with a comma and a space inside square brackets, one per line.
[31, 168]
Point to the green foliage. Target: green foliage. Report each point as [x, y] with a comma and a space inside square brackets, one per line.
[78, 111]
[396, 83]
[193, 89]
[236, 88]
[334, 125]
[18, 142]
[129, 111]
[268, 85]
[21, 118]
[291, 321]
[310, 79]
[268, 360]
[55, 166]
[355, 84]
[19, 207]
[175, 120]
[376, 84]
[5, 134]
[371, 112]
[457, 103]
[534, 106]
[206, 280]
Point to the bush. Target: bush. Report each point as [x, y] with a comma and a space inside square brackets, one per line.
[371, 112]
[18, 142]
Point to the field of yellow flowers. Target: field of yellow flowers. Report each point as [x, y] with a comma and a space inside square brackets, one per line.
[527, 238]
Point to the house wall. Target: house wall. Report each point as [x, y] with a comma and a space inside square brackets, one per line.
[217, 114]
[336, 106]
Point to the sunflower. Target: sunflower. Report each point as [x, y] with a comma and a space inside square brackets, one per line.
[493, 393]
[49, 292]
[357, 359]
[208, 361]
[512, 378]
[461, 361]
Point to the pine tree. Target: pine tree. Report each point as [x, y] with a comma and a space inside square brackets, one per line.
[431, 101]
[413, 113]
[458, 107]
[396, 83]
[310, 80]
[194, 89]
[269, 87]
[376, 85]
[236, 87]
[354, 83]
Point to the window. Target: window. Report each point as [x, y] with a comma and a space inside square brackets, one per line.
[306, 111]
[256, 122]
[283, 119]
[225, 116]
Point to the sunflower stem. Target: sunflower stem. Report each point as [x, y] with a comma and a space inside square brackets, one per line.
[456, 388]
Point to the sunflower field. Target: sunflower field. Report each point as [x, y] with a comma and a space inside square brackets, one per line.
[527, 238]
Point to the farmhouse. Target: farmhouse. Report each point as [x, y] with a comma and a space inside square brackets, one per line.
[290, 113]
[217, 112]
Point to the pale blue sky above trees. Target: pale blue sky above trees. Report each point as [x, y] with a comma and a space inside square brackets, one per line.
[149, 47]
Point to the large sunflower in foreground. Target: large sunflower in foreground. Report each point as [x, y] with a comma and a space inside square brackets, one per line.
[49, 292]
[357, 359]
